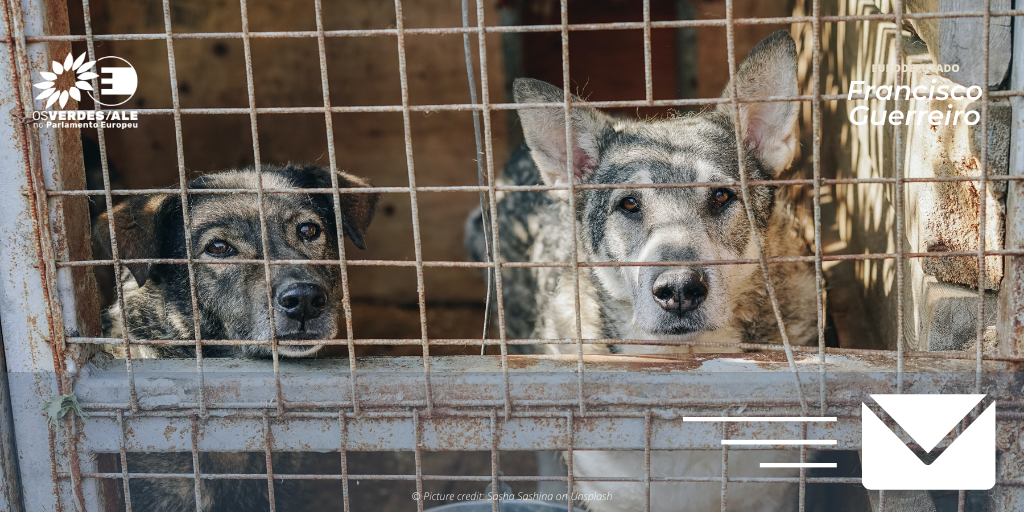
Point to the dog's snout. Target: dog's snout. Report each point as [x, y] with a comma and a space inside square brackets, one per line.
[303, 301]
[679, 291]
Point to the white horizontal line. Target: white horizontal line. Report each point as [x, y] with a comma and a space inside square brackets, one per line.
[798, 464]
[777, 441]
[760, 418]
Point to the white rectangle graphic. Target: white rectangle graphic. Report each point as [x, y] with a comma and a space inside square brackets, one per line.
[968, 463]
[734, 419]
[749, 442]
[798, 464]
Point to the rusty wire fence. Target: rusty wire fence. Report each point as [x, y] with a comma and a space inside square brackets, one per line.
[452, 403]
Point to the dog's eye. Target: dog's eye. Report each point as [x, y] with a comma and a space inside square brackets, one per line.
[722, 196]
[219, 248]
[308, 231]
[630, 205]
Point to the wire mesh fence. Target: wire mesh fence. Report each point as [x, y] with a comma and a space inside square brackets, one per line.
[576, 402]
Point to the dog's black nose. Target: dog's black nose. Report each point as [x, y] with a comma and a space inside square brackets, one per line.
[303, 301]
[679, 291]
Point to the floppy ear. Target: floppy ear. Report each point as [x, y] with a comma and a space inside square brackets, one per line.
[356, 209]
[140, 225]
[769, 130]
[544, 129]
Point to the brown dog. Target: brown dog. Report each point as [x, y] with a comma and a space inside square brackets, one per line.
[231, 299]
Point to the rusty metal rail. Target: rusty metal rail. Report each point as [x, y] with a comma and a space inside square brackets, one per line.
[635, 403]
[576, 27]
[428, 403]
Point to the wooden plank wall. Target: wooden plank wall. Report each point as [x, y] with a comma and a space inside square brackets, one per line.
[364, 71]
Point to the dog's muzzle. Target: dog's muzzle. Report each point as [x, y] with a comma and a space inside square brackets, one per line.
[679, 290]
[303, 301]
[300, 315]
[671, 300]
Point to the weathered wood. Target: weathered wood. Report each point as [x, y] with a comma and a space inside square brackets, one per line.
[903, 501]
[1011, 296]
[959, 41]
[286, 73]
[687, 44]
[939, 295]
[944, 216]
[943, 316]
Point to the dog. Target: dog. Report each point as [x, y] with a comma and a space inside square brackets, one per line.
[231, 298]
[718, 303]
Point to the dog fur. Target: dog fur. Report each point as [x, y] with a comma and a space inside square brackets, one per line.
[231, 299]
[721, 303]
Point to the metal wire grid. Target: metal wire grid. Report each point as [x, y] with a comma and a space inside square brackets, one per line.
[489, 190]
[493, 429]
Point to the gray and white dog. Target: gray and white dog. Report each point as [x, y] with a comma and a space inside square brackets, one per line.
[231, 299]
[721, 303]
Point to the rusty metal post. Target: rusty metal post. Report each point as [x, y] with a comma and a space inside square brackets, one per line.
[10, 498]
[23, 303]
[1011, 295]
[37, 231]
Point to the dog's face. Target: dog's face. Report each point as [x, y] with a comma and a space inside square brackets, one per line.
[304, 299]
[705, 223]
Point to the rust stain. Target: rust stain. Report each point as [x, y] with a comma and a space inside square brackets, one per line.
[169, 431]
[643, 362]
[40, 218]
[655, 362]
[518, 362]
[968, 163]
[71, 452]
[1016, 335]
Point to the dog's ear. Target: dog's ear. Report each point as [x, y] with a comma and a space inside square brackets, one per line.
[768, 129]
[356, 209]
[141, 224]
[544, 129]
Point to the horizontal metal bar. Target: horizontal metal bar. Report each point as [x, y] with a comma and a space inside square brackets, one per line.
[525, 188]
[469, 387]
[475, 410]
[934, 354]
[549, 264]
[505, 106]
[540, 407]
[503, 478]
[455, 433]
[578, 27]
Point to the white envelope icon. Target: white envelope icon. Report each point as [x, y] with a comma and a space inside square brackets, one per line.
[969, 463]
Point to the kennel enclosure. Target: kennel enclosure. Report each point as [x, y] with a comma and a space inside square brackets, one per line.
[427, 403]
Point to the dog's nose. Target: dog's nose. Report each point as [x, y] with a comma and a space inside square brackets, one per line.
[679, 291]
[303, 301]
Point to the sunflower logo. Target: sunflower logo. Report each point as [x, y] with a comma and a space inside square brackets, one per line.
[68, 80]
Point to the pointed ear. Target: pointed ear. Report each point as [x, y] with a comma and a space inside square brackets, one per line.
[140, 223]
[769, 130]
[544, 129]
[356, 209]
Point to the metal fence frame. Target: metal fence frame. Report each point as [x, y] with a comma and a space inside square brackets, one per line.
[46, 355]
